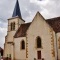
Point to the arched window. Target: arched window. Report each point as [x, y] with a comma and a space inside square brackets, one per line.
[23, 44]
[38, 42]
[14, 26]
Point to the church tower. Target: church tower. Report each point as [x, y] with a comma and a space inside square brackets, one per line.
[16, 20]
[13, 24]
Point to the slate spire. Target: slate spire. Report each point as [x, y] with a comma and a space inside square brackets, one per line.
[16, 11]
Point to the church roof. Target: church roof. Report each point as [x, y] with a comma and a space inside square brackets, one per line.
[21, 32]
[54, 23]
[16, 11]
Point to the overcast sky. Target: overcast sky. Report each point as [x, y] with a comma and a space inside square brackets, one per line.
[48, 8]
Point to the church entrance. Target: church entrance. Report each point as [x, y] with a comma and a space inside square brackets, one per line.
[39, 54]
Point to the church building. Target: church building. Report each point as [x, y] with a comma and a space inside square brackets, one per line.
[36, 40]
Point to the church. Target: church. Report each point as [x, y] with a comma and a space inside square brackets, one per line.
[36, 40]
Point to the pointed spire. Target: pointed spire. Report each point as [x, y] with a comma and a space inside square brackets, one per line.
[16, 11]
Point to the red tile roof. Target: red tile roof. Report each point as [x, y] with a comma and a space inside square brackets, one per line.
[21, 32]
[54, 23]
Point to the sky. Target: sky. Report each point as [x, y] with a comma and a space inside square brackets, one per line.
[47, 8]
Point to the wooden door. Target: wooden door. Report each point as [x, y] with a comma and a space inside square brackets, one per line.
[39, 54]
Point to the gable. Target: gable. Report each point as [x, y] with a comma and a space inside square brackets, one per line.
[38, 20]
[38, 23]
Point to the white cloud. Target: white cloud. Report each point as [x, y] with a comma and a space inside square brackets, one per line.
[40, 2]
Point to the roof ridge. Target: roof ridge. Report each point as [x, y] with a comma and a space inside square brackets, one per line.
[53, 18]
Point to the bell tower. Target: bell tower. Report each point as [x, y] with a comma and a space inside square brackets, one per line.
[16, 20]
[13, 24]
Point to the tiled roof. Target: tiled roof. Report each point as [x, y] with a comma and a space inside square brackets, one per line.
[21, 32]
[54, 23]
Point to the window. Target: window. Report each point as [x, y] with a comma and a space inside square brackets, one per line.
[13, 26]
[38, 42]
[23, 45]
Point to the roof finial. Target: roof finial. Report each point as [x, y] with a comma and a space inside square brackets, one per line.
[16, 11]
